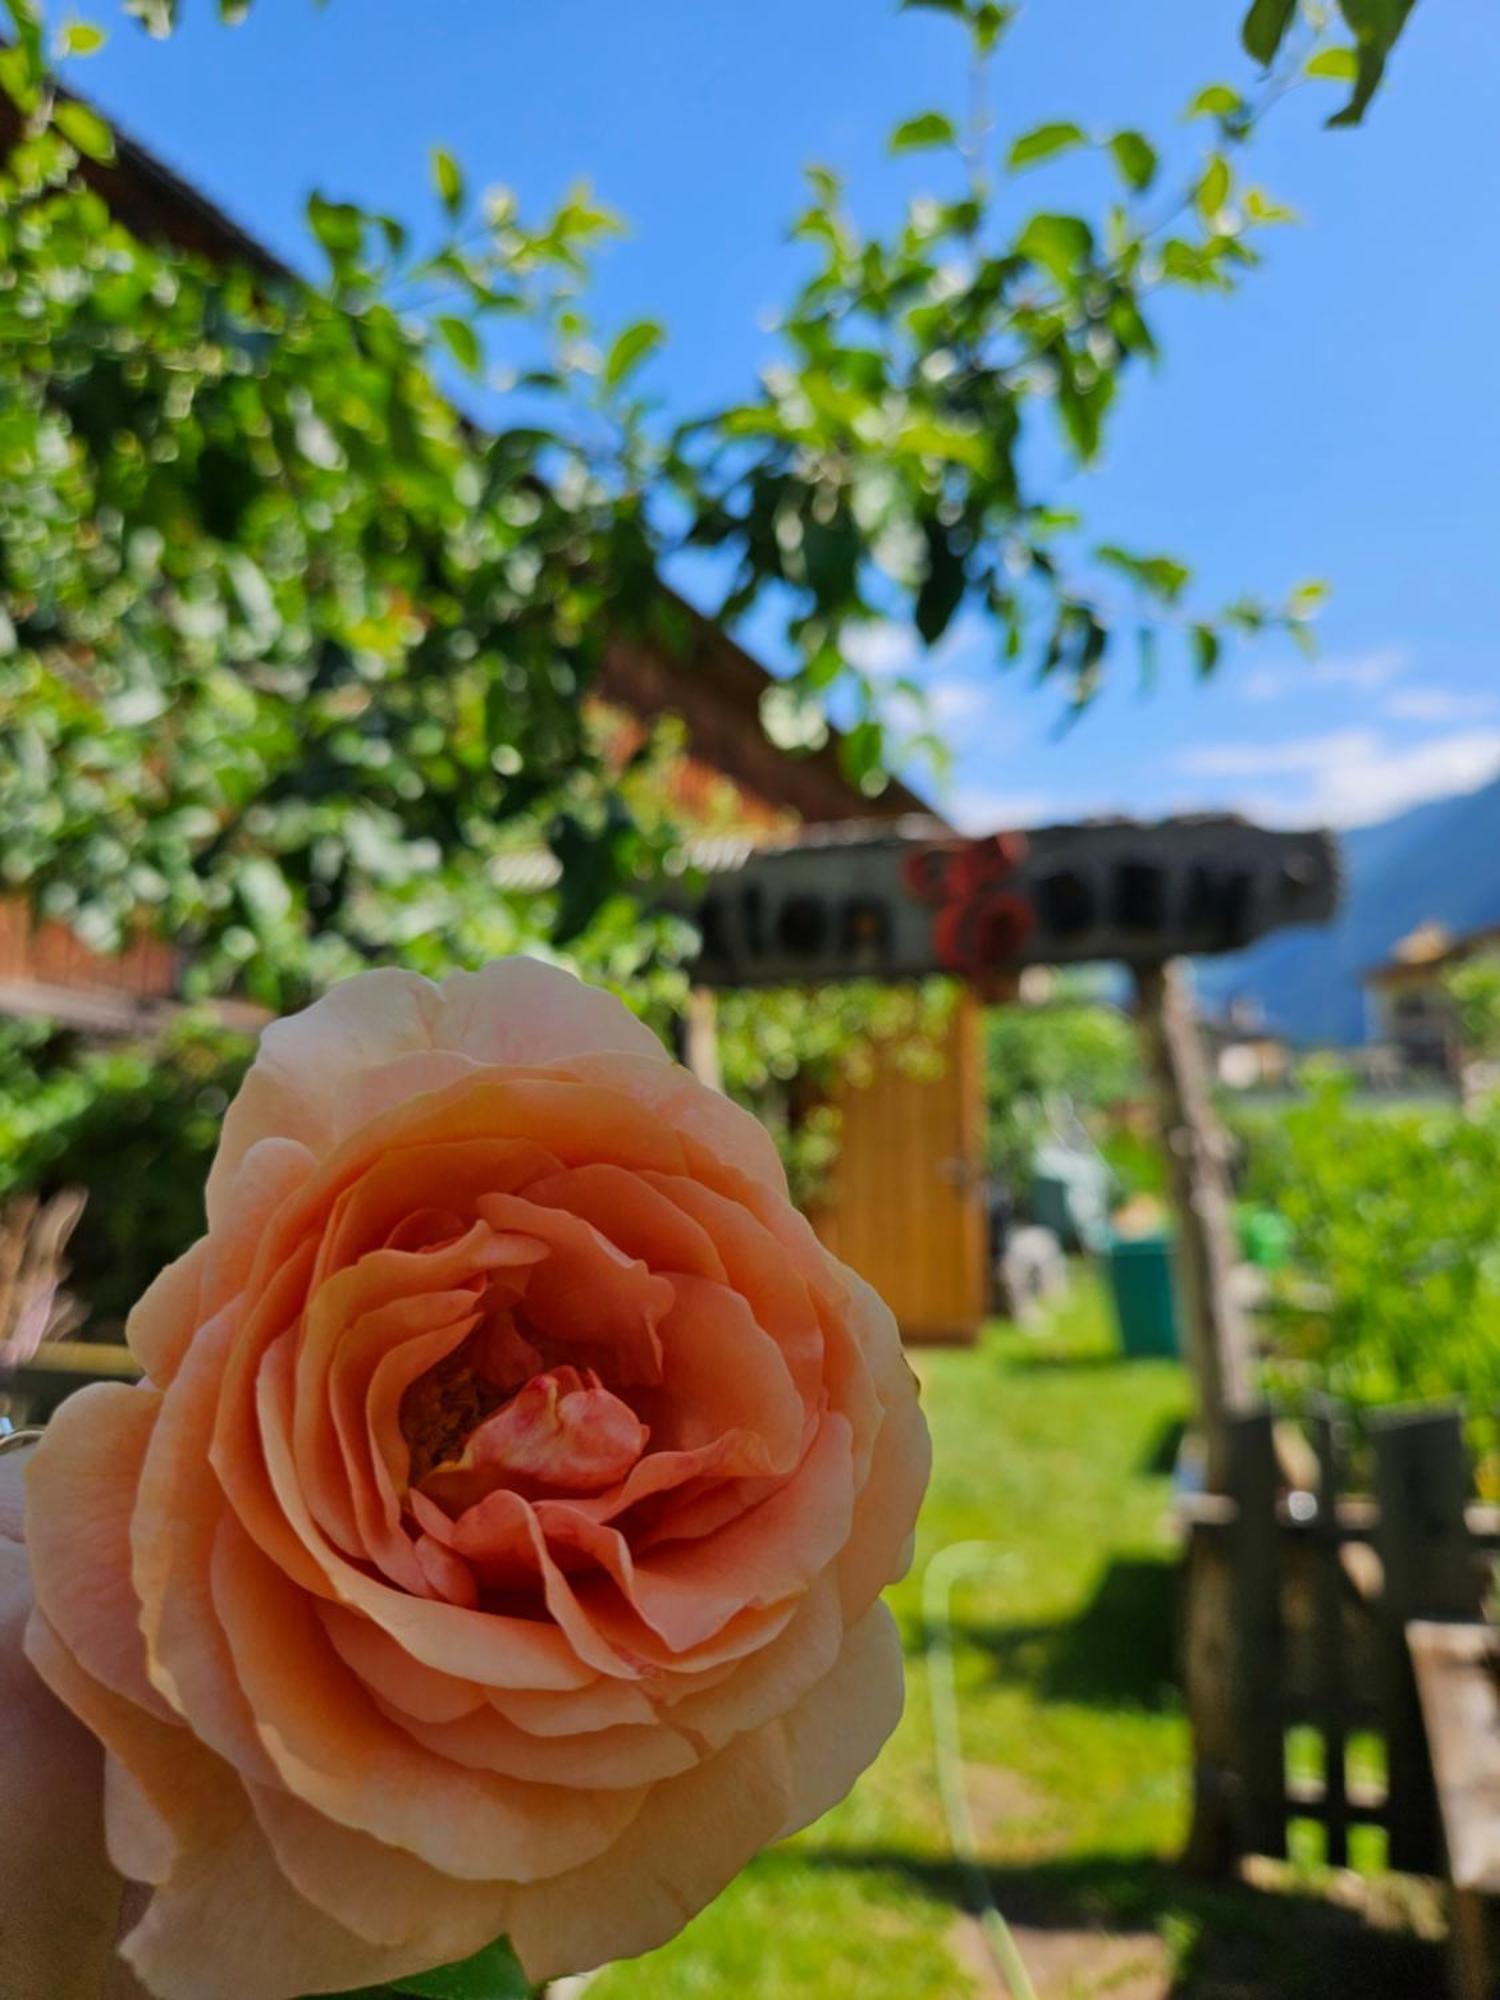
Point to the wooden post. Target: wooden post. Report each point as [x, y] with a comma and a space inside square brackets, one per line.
[1328, 1624]
[1197, 1150]
[1257, 1668]
[1427, 1559]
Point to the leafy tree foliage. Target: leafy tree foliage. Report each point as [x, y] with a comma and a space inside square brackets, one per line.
[290, 651]
[287, 650]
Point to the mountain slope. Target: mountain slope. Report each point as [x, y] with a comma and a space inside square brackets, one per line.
[1436, 863]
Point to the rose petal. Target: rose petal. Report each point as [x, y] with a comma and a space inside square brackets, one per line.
[333, 1748]
[516, 1012]
[81, 1487]
[694, 1835]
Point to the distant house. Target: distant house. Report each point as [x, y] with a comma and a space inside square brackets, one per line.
[1411, 1010]
[907, 1204]
[1245, 1053]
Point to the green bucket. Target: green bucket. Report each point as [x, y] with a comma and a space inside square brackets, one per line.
[1140, 1277]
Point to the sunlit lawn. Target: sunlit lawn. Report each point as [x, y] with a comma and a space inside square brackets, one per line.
[1057, 1453]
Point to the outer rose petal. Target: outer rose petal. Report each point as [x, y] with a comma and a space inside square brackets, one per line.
[60, 1897]
[838, 1731]
[879, 1547]
[517, 1012]
[693, 1837]
[82, 1489]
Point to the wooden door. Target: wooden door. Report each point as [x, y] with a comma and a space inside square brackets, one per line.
[906, 1205]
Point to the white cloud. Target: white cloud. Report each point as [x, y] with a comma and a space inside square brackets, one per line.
[1438, 705]
[884, 648]
[1349, 777]
[978, 809]
[1363, 672]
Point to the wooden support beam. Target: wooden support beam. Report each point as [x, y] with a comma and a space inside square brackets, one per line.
[1214, 1324]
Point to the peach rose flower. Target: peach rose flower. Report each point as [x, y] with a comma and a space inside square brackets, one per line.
[494, 1546]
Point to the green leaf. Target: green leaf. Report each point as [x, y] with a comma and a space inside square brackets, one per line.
[1376, 26]
[338, 226]
[447, 179]
[1338, 65]
[1135, 156]
[20, 79]
[491, 1974]
[80, 38]
[85, 129]
[989, 22]
[1213, 188]
[630, 349]
[943, 586]
[1260, 207]
[461, 341]
[1061, 244]
[1044, 142]
[1265, 27]
[1307, 598]
[928, 128]
[1162, 576]
[1216, 100]
[1206, 649]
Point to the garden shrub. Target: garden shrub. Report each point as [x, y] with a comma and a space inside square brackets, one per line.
[1393, 1291]
[134, 1126]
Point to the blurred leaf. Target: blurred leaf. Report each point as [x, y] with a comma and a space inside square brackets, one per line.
[338, 226]
[491, 1974]
[20, 79]
[928, 128]
[461, 341]
[85, 129]
[1044, 142]
[988, 23]
[1376, 26]
[79, 38]
[1339, 65]
[1265, 28]
[1136, 159]
[1261, 208]
[631, 349]
[1216, 100]
[447, 179]
[1213, 189]
[1061, 244]
[942, 586]
[1206, 649]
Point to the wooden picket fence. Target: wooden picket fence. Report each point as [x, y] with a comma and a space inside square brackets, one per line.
[1300, 1594]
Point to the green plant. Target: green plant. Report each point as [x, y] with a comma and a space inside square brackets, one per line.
[1393, 1292]
[1076, 1057]
[784, 1053]
[133, 1128]
[1474, 988]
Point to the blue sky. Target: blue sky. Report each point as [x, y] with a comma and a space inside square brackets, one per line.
[1338, 418]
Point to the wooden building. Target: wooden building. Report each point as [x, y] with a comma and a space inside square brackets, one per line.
[1411, 1009]
[906, 1206]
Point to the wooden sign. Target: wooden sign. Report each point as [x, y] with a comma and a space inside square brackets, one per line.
[902, 900]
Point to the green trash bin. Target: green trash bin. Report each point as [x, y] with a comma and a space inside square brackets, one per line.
[1140, 1277]
[1265, 1238]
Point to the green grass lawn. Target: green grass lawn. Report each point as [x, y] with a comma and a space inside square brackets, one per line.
[1057, 1455]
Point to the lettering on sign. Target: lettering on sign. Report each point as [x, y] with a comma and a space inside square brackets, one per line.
[870, 902]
